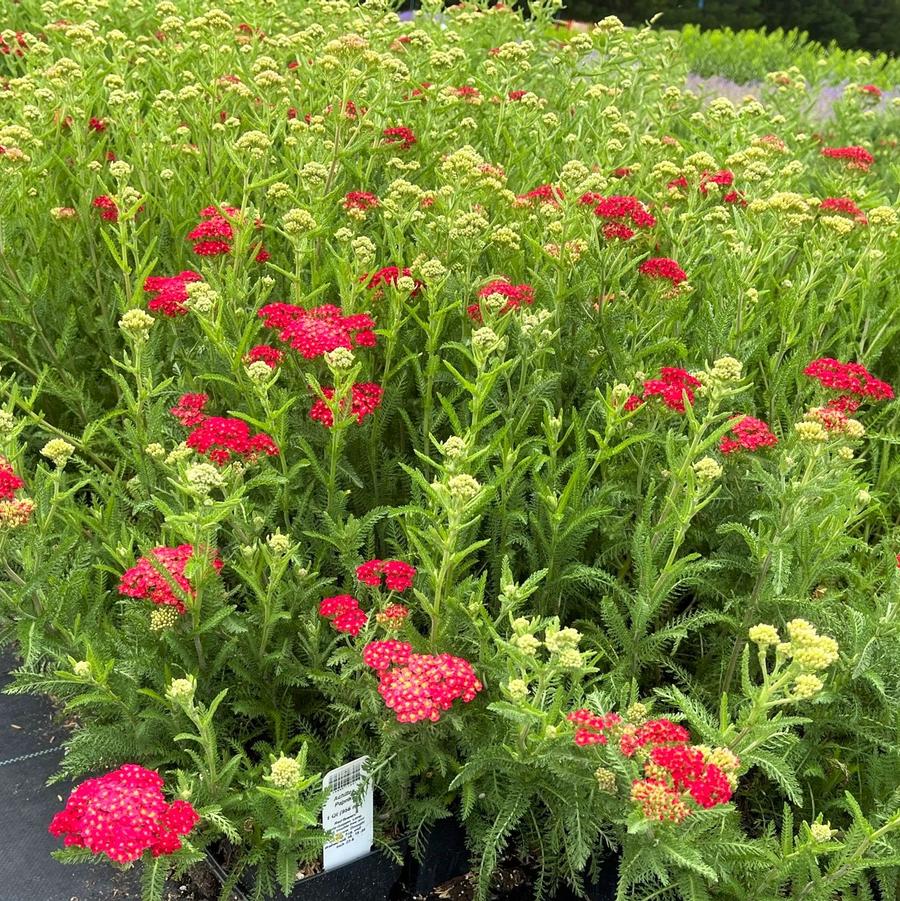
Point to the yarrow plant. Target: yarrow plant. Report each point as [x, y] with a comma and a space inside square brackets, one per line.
[481, 396]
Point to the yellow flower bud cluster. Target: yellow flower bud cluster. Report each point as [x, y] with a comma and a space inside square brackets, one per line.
[811, 651]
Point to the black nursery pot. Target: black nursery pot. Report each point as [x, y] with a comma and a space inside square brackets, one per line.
[599, 888]
[445, 857]
[371, 878]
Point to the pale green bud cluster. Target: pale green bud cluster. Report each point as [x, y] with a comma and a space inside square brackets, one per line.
[58, 451]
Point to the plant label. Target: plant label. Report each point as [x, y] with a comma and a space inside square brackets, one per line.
[348, 814]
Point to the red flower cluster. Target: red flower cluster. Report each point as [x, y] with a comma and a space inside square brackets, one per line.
[123, 814]
[705, 782]
[852, 378]
[591, 726]
[170, 292]
[218, 437]
[621, 212]
[319, 330]
[515, 296]
[388, 275]
[653, 732]
[344, 612]
[724, 178]
[17, 51]
[13, 512]
[360, 200]
[672, 387]
[10, 483]
[214, 233]
[843, 205]
[542, 194]
[664, 268]
[871, 90]
[109, 211]
[466, 92]
[420, 686]
[854, 156]
[399, 135]
[365, 400]
[95, 124]
[271, 356]
[146, 581]
[516, 95]
[747, 434]
[189, 409]
[398, 576]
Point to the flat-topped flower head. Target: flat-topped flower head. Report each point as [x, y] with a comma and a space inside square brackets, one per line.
[169, 293]
[854, 156]
[122, 815]
[365, 399]
[849, 378]
[162, 579]
[664, 269]
[344, 612]
[316, 331]
[397, 575]
[747, 434]
[10, 483]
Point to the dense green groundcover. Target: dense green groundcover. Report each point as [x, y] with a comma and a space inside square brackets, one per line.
[466, 394]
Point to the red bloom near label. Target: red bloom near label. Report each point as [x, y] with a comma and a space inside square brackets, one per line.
[122, 815]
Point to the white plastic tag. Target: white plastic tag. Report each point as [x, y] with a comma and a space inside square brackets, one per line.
[352, 824]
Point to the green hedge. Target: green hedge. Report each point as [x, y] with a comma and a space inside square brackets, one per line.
[868, 24]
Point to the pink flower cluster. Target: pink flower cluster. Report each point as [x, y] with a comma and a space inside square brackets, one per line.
[541, 194]
[364, 401]
[663, 268]
[220, 437]
[420, 686]
[319, 330]
[851, 378]
[398, 576]
[344, 612]
[123, 814]
[673, 387]
[591, 726]
[155, 580]
[515, 296]
[747, 434]
[170, 292]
